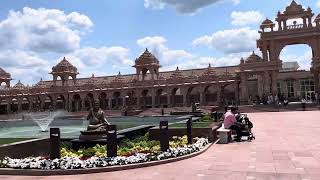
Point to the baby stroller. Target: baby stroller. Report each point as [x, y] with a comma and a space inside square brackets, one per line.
[243, 119]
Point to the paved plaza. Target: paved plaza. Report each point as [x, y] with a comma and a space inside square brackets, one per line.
[286, 147]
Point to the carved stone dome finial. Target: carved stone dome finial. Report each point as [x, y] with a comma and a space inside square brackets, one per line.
[64, 66]
[146, 58]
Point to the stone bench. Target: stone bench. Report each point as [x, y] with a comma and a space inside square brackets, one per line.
[224, 135]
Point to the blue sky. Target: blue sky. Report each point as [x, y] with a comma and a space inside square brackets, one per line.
[104, 37]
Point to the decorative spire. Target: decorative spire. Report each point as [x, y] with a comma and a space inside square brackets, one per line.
[293, 3]
[209, 65]
[92, 75]
[177, 68]
[119, 74]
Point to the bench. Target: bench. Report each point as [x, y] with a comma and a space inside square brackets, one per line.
[224, 135]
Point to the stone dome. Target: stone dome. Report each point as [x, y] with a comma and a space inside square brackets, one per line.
[64, 66]
[253, 58]
[19, 85]
[210, 71]
[147, 58]
[41, 84]
[4, 74]
[267, 22]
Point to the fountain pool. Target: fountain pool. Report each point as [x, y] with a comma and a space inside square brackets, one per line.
[70, 128]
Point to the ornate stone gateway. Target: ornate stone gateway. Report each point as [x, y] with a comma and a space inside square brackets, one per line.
[273, 40]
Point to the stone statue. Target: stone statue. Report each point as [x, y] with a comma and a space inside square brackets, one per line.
[96, 117]
[97, 124]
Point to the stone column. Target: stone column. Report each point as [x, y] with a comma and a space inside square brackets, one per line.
[236, 89]
[54, 102]
[19, 105]
[265, 52]
[260, 86]
[168, 100]
[274, 79]
[316, 82]
[309, 21]
[109, 103]
[304, 22]
[138, 102]
[153, 98]
[201, 98]
[266, 83]
[280, 26]
[124, 103]
[285, 24]
[83, 104]
[9, 108]
[219, 94]
[244, 88]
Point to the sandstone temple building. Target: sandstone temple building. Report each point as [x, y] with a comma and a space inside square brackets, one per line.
[254, 78]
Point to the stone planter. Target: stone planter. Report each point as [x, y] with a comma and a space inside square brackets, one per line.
[209, 132]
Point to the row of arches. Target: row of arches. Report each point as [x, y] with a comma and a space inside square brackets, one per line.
[145, 98]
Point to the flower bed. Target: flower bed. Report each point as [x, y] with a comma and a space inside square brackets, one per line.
[133, 155]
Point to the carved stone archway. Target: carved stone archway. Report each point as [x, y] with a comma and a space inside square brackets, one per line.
[272, 41]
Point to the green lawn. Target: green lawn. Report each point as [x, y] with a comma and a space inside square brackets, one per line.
[11, 140]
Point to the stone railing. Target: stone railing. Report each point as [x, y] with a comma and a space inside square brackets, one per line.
[295, 26]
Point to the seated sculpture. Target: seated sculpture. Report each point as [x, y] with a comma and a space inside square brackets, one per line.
[97, 120]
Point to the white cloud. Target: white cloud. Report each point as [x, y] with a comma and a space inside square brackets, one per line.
[170, 58]
[236, 2]
[245, 18]
[25, 66]
[157, 45]
[43, 30]
[230, 41]
[181, 6]
[304, 60]
[100, 61]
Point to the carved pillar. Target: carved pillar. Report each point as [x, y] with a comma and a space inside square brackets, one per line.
[138, 101]
[219, 94]
[236, 89]
[83, 104]
[280, 26]
[201, 97]
[304, 22]
[153, 97]
[109, 103]
[19, 105]
[8, 108]
[309, 21]
[244, 88]
[168, 100]
[267, 85]
[316, 82]
[285, 24]
[124, 101]
[260, 86]
[274, 78]
[265, 52]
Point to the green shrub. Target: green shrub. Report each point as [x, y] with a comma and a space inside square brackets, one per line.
[206, 118]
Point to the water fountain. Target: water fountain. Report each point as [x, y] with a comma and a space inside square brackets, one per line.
[42, 119]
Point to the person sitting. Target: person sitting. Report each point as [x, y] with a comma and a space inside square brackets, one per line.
[230, 122]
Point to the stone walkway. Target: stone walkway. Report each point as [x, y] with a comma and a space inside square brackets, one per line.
[287, 146]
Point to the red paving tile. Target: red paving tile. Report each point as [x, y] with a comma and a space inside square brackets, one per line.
[285, 149]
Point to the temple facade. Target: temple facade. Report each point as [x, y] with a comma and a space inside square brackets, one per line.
[249, 82]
